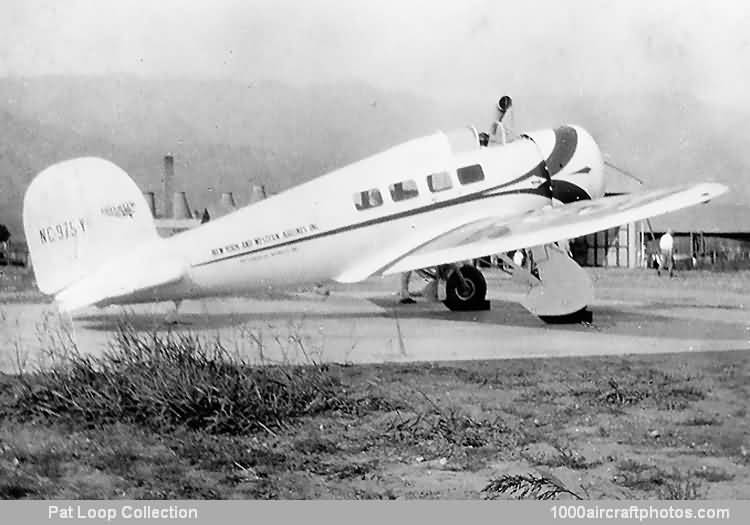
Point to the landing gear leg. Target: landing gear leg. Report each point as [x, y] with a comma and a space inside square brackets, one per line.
[466, 290]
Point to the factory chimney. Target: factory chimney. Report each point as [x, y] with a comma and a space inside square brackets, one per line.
[257, 193]
[151, 201]
[180, 207]
[168, 185]
[227, 201]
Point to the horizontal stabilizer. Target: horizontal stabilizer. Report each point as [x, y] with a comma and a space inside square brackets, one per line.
[145, 268]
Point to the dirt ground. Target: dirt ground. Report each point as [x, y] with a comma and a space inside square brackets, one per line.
[663, 417]
[660, 426]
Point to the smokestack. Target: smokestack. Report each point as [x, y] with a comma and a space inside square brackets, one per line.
[257, 193]
[180, 206]
[168, 185]
[151, 201]
[227, 201]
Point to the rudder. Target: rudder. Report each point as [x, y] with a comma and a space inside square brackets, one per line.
[79, 213]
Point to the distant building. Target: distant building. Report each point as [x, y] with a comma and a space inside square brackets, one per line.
[715, 236]
[14, 253]
[614, 247]
[168, 227]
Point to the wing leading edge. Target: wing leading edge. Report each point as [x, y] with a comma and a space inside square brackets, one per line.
[550, 224]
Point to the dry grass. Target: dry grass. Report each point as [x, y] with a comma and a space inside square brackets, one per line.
[527, 486]
[161, 381]
[179, 418]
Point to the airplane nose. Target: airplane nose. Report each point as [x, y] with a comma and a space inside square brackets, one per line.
[574, 162]
[586, 168]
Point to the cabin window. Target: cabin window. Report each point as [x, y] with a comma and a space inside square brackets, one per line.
[470, 174]
[400, 191]
[439, 181]
[367, 199]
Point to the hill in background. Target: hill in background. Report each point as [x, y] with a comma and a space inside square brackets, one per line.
[224, 134]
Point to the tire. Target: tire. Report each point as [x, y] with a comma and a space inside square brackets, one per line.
[474, 299]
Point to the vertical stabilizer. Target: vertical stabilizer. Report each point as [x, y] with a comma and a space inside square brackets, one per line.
[79, 214]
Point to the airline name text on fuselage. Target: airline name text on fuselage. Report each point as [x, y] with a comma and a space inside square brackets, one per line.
[265, 240]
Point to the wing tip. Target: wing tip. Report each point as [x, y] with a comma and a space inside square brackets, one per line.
[711, 190]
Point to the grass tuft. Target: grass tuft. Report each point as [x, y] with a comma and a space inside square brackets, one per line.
[713, 475]
[527, 486]
[662, 390]
[452, 425]
[680, 487]
[565, 457]
[162, 381]
[674, 485]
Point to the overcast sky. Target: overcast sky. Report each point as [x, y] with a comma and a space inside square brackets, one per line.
[443, 49]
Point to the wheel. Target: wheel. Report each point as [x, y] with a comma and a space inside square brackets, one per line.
[470, 297]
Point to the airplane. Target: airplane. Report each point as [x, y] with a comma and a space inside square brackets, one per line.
[428, 204]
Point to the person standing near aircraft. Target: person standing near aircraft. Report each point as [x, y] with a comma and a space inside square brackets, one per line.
[404, 295]
[666, 246]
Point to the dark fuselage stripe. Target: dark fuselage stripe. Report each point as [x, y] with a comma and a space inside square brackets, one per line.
[566, 142]
[542, 190]
[567, 192]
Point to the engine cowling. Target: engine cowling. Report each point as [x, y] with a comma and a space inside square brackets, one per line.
[574, 162]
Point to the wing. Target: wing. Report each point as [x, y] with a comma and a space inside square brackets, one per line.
[549, 224]
[145, 268]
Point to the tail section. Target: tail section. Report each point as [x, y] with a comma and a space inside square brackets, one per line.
[79, 214]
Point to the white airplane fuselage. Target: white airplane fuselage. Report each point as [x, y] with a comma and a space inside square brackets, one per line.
[315, 232]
